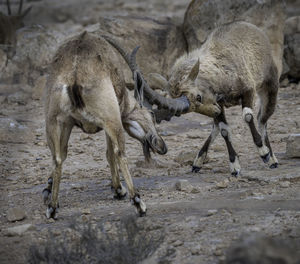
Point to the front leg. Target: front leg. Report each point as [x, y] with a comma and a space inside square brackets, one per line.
[201, 157]
[234, 164]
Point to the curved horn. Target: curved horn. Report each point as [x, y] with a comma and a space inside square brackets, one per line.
[175, 106]
[20, 7]
[8, 7]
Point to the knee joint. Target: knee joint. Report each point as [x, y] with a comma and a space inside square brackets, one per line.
[247, 114]
[224, 129]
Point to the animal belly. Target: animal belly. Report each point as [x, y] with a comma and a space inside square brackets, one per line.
[88, 127]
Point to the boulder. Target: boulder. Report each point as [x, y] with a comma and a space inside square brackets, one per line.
[202, 16]
[19, 230]
[161, 41]
[256, 248]
[15, 214]
[293, 146]
[292, 46]
[35, 48]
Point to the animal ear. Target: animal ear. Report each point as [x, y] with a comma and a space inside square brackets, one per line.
[156, 81]
[195, 70]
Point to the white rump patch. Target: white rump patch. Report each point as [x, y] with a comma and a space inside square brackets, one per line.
[64, 99]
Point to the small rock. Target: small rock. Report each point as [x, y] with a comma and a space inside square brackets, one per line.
[194, 134]
[218, 252]
[186, 157]
[18, 230]
[222, 184]
[15, 214]
[284, 83]
[284, 184]
[196, 250]
[212, 212]
[293, 146]
[84, 137]
[183, 185]
[86, 211]
[177, 243]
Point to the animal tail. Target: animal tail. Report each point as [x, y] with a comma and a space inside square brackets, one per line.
[75, 95]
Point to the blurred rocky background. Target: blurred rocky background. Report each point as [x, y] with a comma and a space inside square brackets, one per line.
[163, 29]
[203, 214]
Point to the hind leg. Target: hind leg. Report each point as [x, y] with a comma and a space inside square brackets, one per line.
[266, 110]
[120, 191]
[115, 132]
[247, 105]
[58, 132]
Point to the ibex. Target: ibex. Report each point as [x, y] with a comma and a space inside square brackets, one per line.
[232, 66]
[9, 24]
[86, 88]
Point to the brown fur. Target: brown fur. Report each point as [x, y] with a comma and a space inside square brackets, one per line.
[86, 88]
[233, 65]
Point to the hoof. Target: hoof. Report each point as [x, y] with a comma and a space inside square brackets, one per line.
[120, 193]
[119, 196]
[46, 195]
[139, 205]
[266, 157]
[274, 166]
[196, 169]
[51, 212]
[235, 173]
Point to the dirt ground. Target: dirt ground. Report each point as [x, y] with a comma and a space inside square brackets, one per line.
[200, 222]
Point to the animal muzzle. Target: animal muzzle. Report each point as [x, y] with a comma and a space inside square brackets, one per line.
[157, 144]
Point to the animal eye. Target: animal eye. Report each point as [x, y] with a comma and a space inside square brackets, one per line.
[199, 98]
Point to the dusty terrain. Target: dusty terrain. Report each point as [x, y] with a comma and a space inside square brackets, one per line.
[200, 222]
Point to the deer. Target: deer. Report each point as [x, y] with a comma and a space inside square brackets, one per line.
[86, 88]
[233, 66]
[9, 24]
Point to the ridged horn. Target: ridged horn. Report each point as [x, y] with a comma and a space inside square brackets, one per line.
[175, 106]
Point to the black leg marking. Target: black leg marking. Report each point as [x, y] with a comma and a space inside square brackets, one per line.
[51, 212]
[137, 202]
[46, 193]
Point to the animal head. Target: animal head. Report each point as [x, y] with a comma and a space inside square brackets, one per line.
[186, 80]
[140, 124]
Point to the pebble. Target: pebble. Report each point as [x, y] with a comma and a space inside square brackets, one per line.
[218, 252]
[222, 184]
[86, 211]
[183, 185]
[19, 230]
[212, 212]
[15, 214]
[177, 243]
[284, 184]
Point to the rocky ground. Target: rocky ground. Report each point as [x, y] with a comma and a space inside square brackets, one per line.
[199, 215]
